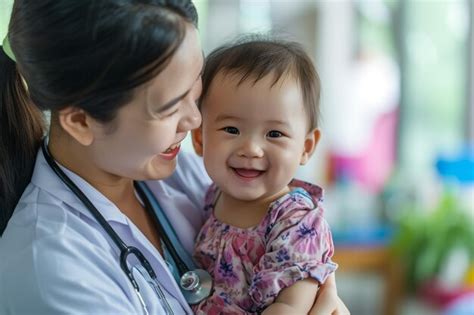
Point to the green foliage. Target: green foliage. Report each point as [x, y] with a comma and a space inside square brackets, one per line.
[425, 238]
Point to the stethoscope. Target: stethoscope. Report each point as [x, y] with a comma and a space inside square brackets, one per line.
[195, 284]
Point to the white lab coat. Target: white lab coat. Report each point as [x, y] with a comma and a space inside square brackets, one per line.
[56, 259]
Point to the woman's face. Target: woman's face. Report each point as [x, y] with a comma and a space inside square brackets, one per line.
[148, 131]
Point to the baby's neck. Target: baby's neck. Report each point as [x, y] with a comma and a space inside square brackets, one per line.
[244, 213]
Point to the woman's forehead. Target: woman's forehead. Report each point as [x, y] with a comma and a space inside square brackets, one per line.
[181, 72]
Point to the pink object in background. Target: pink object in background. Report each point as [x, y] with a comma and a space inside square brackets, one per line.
[438, 295]
[372, 167]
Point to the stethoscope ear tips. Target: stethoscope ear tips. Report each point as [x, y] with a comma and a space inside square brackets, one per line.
[196, 285]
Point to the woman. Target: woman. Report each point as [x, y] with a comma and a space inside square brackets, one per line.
[120, 79]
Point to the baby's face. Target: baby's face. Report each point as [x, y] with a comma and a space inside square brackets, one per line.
[254, 136]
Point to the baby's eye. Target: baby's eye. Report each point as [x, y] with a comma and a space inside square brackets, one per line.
[274, 134]
[231, 130]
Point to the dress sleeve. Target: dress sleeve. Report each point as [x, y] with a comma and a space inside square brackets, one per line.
[299, 246]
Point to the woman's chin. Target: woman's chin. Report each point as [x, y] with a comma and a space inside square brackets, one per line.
[160, 168]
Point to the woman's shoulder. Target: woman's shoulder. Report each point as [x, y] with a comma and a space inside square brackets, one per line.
[42, 222]
[47, 225]
[45, 251]
[36, 215]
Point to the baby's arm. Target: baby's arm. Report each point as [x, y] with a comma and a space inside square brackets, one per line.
[298, 259]
[296, 299]
[327, 301]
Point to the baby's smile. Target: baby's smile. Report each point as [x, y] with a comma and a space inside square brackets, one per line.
[247, 174]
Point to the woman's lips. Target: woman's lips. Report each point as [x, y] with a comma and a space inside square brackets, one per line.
[170, 154]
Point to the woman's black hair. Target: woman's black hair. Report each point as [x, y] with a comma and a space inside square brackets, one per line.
[84, 53]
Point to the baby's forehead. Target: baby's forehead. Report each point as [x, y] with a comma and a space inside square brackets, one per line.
[238, 79]
[262, 93]
[253, 76]
[236, 87]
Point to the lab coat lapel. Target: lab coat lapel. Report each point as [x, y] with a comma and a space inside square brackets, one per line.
[159, 265]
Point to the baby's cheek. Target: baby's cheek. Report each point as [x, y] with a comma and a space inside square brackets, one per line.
[215, 172]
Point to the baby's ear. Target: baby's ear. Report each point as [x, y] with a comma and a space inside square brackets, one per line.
[197, 140]
[310, 143]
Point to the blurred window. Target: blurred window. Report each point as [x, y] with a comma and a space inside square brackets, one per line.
[435, 74]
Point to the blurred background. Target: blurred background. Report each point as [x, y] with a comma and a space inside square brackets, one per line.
[397, 154]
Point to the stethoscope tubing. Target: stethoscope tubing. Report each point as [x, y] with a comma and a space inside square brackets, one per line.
[182, 268]
[125, 250]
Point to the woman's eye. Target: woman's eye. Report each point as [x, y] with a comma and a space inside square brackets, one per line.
[274, 134]
[231, 130]
[172, 113]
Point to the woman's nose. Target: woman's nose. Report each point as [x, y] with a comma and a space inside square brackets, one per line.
[250, 148]
[191, 118]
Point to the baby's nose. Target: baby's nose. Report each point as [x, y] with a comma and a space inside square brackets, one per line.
[250, 149]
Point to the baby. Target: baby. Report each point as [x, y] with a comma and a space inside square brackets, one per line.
[265, 241]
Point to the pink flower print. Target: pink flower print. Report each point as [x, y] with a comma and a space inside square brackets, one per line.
[240, 246]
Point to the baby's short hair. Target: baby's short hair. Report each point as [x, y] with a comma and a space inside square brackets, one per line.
[254, 57]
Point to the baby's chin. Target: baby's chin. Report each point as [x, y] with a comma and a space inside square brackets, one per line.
[252, 194]
[243, 194]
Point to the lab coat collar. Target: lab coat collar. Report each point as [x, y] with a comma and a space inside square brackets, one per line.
[45, 178]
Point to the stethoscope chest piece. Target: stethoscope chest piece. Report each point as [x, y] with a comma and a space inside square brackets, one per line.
[196, 285]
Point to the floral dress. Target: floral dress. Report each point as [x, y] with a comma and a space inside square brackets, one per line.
[250, 266]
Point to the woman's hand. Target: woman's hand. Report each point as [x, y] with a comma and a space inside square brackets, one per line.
[327, 301]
